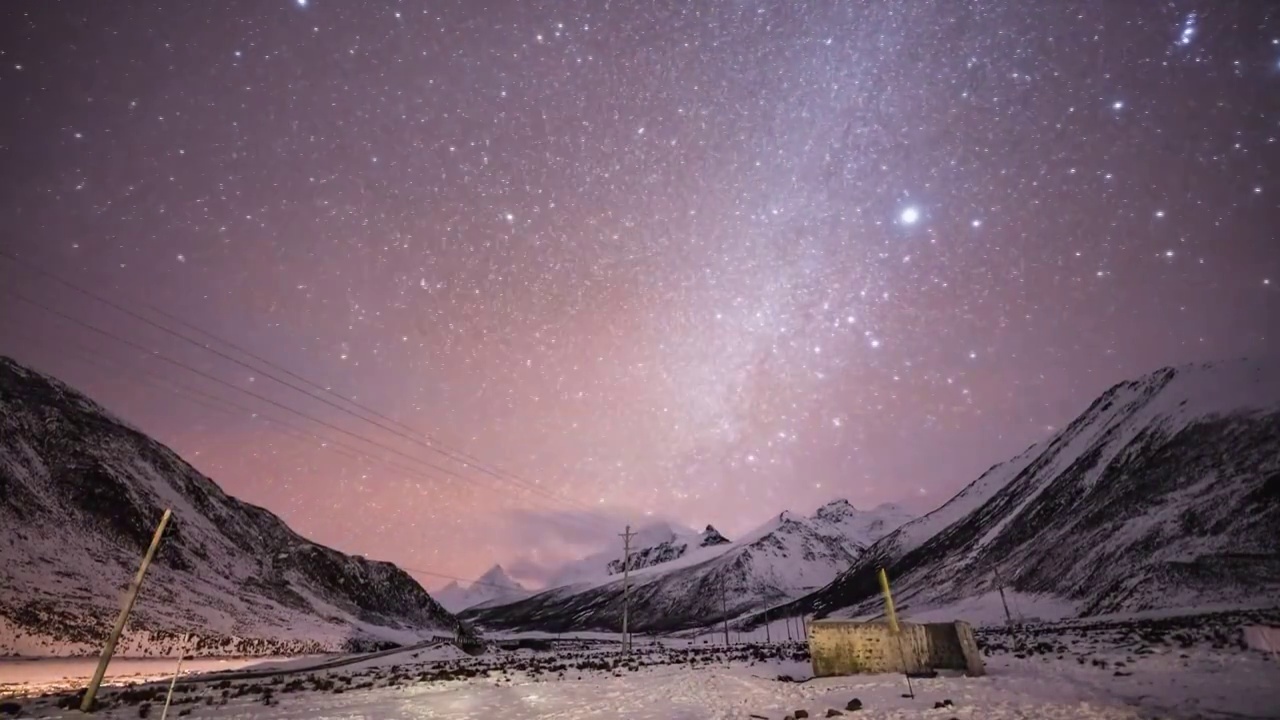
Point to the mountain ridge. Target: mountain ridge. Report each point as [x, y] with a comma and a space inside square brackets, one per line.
[779, 560]
[1159, 495]
[495, 585]
[80, 494]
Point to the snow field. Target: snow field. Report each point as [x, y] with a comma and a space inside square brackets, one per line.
[1168, 668]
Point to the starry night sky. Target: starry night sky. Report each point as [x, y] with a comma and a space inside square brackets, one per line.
[657, 259]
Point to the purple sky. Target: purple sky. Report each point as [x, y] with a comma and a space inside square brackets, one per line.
[702, 261]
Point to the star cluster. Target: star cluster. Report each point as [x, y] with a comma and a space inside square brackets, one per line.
[694, 260]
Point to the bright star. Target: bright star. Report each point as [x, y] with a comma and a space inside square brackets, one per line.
[909, 216]
[302, 3]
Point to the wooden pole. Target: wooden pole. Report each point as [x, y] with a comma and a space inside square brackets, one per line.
[176, 672]
[724, 608]
[888, 601]
[1008, 618]
[767, 640]
[892, 615]
[626, 586]
[86, 705]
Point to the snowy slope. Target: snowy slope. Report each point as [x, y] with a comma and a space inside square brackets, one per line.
[80, 495]
[651, 544]
[1186, 668]
[1164, 493]
[780, 560]
[493, 586]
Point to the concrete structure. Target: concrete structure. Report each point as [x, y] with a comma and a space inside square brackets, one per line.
[846, 647]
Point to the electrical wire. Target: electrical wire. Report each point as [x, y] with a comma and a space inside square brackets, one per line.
[177, 363]
[457, 456]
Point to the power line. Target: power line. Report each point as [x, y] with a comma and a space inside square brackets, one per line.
[207, 376]
[220, 404]
[449, 577]
[456, 456]
[470, 460]
[194, 395]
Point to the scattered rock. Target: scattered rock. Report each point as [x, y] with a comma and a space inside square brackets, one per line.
[801, 714]
[10, 708]
[144, 710]
[854, 705]
[832, 712]
[943, 704]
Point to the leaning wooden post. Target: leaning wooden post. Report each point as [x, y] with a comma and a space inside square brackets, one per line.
[86, 705]
[892, 616]
[182, 654]
[888, 602]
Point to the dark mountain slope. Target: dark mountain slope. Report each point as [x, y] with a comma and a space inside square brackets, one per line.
[80, 495]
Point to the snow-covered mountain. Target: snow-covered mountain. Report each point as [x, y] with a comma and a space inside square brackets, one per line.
[493, 586]
[80, 495]
[1164, 493]
[706, 576]
[667, 550]
[651, 544]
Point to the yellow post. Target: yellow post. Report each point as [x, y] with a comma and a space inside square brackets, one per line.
[888, 602]
[893, 628]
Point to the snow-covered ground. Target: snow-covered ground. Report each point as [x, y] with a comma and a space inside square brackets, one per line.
[37, 675]
[1181, 668]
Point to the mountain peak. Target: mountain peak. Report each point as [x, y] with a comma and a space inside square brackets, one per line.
[494, 584]
[836, 509]
[711, 536]
[496, 577]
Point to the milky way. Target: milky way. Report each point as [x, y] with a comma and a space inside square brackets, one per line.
[700, 261]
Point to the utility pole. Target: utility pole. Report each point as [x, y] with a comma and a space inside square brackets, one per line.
[767, 640]
[1008, 618]
[626, 587]
[182, 654]
[724, 609]
[86, 705]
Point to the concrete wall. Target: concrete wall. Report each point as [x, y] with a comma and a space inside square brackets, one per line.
[845, 647]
